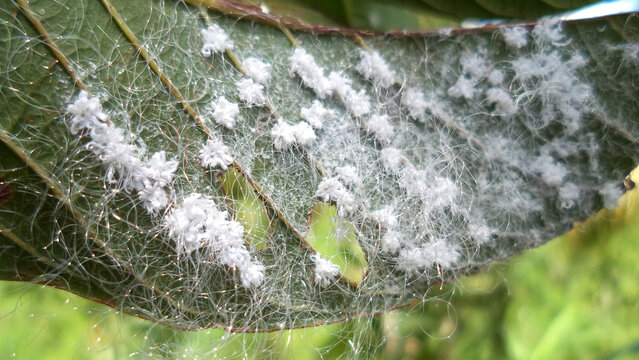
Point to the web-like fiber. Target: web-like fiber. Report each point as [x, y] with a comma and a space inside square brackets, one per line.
[440, 153]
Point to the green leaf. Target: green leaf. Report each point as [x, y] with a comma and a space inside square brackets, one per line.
[335, 238]
[474, 184]
[388, 15]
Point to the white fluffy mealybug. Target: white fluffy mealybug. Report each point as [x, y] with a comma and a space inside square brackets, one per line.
[549, 31]
[325, 270]
[516, 36]
[225, 112]
[551, 171]
[316, 114]
[464, 87]
[154, 198]
[373, 67]
[557, 86]
[304, 134]
[215, 40]
[215, 154]
[414, 181]
[442, 193]
[285, 135]
[160, 170]
[303, 64]
[385, 217]
[611, 192]
[414, 100]
[348, 175]
[437, 251]
[536, 65]
[123, 160]
[474, 65]
[480, 232]
[86, 113]
[392, 159]
[257, 70]
[392, 241]
[496, 77]
[332, 189]
[357, 102]
[381, 128]
[159, 173]
[198, 223]
[238, 257]
[421, 107]
[251, 92]
[504, 104]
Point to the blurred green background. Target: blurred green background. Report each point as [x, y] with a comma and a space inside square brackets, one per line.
[388, 15]
[575, 298]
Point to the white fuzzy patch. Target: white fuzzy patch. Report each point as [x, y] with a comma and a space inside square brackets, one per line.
[392, 159]
[414, 100]
[516, 37]
[557, 84]
[419, 107]
[496, 77]
[373, 67]
[549, 31]
[348, 175]
[316, 114]
[154, 198]
[215, 40]
[536, 65]
[474, 65]
[303, 64]
[225, 112]
[121, 158]
[197, 223]
[357, 102]
[391, 241]
[414, 181]
[251, 92]
[215, 154]
[569, 194]
[551, 171]
[159, 171]
[385, 217]
[569, 191]
[325, 270]
[381, 128]
[257, 70]
[285, 135]
[86, 113]
[611, 193]
[480, 232]
[437, 251]
[464, 87]
[332, 189]
[304, 134]
[630, 52]
[504, 104]
[442, 193]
